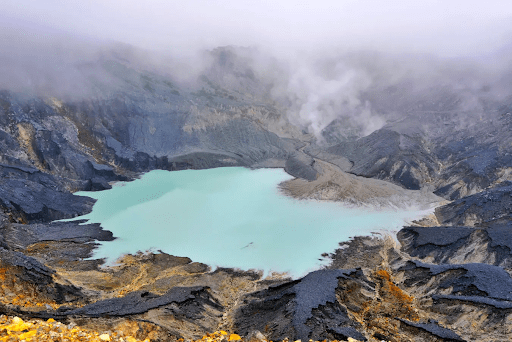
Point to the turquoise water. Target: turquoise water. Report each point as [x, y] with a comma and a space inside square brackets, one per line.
[229, 217]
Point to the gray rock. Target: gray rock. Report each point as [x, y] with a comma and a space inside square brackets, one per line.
[301, 309]
[490, 207]
[433, 328]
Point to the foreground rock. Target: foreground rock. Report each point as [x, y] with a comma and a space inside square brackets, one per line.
[305, 308]
[38, 330]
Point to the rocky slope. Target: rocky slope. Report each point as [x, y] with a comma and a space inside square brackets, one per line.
[448, 281]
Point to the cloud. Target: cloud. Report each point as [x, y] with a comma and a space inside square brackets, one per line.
[320, 76]
[318, 92]
[442, 27]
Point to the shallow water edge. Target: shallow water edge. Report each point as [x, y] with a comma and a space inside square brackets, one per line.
[231, 217]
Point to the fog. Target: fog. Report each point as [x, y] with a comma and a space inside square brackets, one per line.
[448, 28]
[322, 60]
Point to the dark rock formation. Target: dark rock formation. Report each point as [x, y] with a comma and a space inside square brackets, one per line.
[302, 309]
[490, 207]
[488, 241]
[387, 154]
[38, 203]
[56, 243]
[433, 328]
[301, 166]
[491, 245]
[453, 293]
[188, 303]
[26, 280]
[478, 282]
[20, 236]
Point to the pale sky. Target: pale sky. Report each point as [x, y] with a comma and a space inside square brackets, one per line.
[446, 28]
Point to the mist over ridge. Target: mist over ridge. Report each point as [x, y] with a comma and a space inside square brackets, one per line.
[358, 65]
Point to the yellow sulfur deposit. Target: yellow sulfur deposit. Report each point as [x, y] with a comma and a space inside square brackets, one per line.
[15, 329]
[34, 330]
[222, 336]
[234, 337]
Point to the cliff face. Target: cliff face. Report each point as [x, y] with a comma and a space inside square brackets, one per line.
[52, 147]
[448, 282]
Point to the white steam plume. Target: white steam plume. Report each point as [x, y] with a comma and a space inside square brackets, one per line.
[317, 93]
